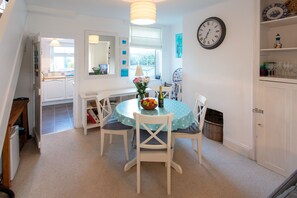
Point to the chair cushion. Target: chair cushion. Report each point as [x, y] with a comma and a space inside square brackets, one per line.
[144, 135]
[193, 129]
[114, 124]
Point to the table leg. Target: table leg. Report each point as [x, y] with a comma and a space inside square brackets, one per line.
[6, 159]
[132, 163]
[25, 125]
[84, 114]
[25, 122]
[177, 167]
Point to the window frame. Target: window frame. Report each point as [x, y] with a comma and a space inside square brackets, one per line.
[141, 43]
[65, 55]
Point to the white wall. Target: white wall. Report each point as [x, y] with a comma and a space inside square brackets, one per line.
[74, 26]
[175, 62]
[12, 24]
[224, 75]
[26, 78]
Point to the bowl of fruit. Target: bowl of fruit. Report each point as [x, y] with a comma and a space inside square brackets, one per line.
[149, 103]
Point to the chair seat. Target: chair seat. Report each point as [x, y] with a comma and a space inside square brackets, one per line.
[193, 129]
[114, 124]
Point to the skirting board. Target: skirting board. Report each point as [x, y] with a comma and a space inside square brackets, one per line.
[239, 148]
[57, 102]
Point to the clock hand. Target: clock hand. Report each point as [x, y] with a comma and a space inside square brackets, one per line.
[207, 34]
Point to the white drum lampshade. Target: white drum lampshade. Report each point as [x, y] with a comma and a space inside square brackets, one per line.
[143, 12]
[93, 39]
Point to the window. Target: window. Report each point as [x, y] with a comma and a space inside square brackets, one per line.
[147, 58]
[62, 58]
[146, 50]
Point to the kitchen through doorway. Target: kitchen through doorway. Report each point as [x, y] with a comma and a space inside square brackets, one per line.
[57, 84]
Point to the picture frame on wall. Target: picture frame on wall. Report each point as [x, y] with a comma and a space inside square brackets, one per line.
[124, 41]
[124, 72]
[124, 63]
[124, 56]
[179, 45]
[124, 52]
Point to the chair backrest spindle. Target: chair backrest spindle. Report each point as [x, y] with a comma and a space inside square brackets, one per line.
[103, 108]
[199, 110]
[144, 121]
[166, 90]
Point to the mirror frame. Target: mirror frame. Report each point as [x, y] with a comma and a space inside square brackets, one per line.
[116, 58]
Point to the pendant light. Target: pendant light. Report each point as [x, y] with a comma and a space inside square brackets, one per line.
[143, 12]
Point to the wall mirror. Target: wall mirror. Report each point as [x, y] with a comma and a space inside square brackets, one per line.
[101, 53]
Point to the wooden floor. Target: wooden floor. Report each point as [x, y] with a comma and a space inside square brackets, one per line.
[56, 118]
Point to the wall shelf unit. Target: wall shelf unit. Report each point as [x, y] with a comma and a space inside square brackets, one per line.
[280, 22]
[280, 80]
[285, 57]
[279, 49]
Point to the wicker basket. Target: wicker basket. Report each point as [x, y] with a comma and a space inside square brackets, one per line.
[213, 125]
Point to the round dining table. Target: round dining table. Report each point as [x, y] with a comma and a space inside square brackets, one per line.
[183, 118]
[183, 115]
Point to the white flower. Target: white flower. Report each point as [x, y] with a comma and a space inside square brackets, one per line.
[146, 79]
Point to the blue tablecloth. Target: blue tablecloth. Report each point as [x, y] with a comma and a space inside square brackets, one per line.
[183, 115]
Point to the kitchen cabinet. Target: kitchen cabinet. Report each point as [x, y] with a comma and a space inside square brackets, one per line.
[272, 127]
[53, 89]
[57, 90]
[276, 127]
[69, 88]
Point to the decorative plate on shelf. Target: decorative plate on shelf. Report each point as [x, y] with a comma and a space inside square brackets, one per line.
[275, 11]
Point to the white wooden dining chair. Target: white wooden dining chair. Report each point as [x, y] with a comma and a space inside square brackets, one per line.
[153, 146]
[167, 91]
[194, 132]
[108, 125]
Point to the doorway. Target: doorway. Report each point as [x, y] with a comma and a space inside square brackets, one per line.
[57, 84]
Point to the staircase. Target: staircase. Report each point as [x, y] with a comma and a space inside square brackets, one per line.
[12, 43]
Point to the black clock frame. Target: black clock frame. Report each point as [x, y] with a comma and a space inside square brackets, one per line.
[223, 35]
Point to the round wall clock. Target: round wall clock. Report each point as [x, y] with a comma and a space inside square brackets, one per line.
[211, 33]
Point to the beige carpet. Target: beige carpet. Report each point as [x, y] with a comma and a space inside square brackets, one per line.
[70, 166]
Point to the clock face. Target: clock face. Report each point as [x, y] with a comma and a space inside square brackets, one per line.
[211, 33]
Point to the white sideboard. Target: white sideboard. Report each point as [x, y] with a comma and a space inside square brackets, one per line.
[89, 98]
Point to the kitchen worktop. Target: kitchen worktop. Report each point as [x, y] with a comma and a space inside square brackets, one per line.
[50, 77]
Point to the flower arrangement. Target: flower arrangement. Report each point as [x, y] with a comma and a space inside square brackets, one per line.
[141, 85]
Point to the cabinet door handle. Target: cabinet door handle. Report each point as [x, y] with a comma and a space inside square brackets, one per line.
[256, 110]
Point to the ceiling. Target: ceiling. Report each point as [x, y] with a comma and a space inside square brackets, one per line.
[169, 12]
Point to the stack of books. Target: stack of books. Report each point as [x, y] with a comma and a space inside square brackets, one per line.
[92, 116]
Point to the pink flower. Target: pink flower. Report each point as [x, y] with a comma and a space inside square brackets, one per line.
[141, 85]
[137, 80]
